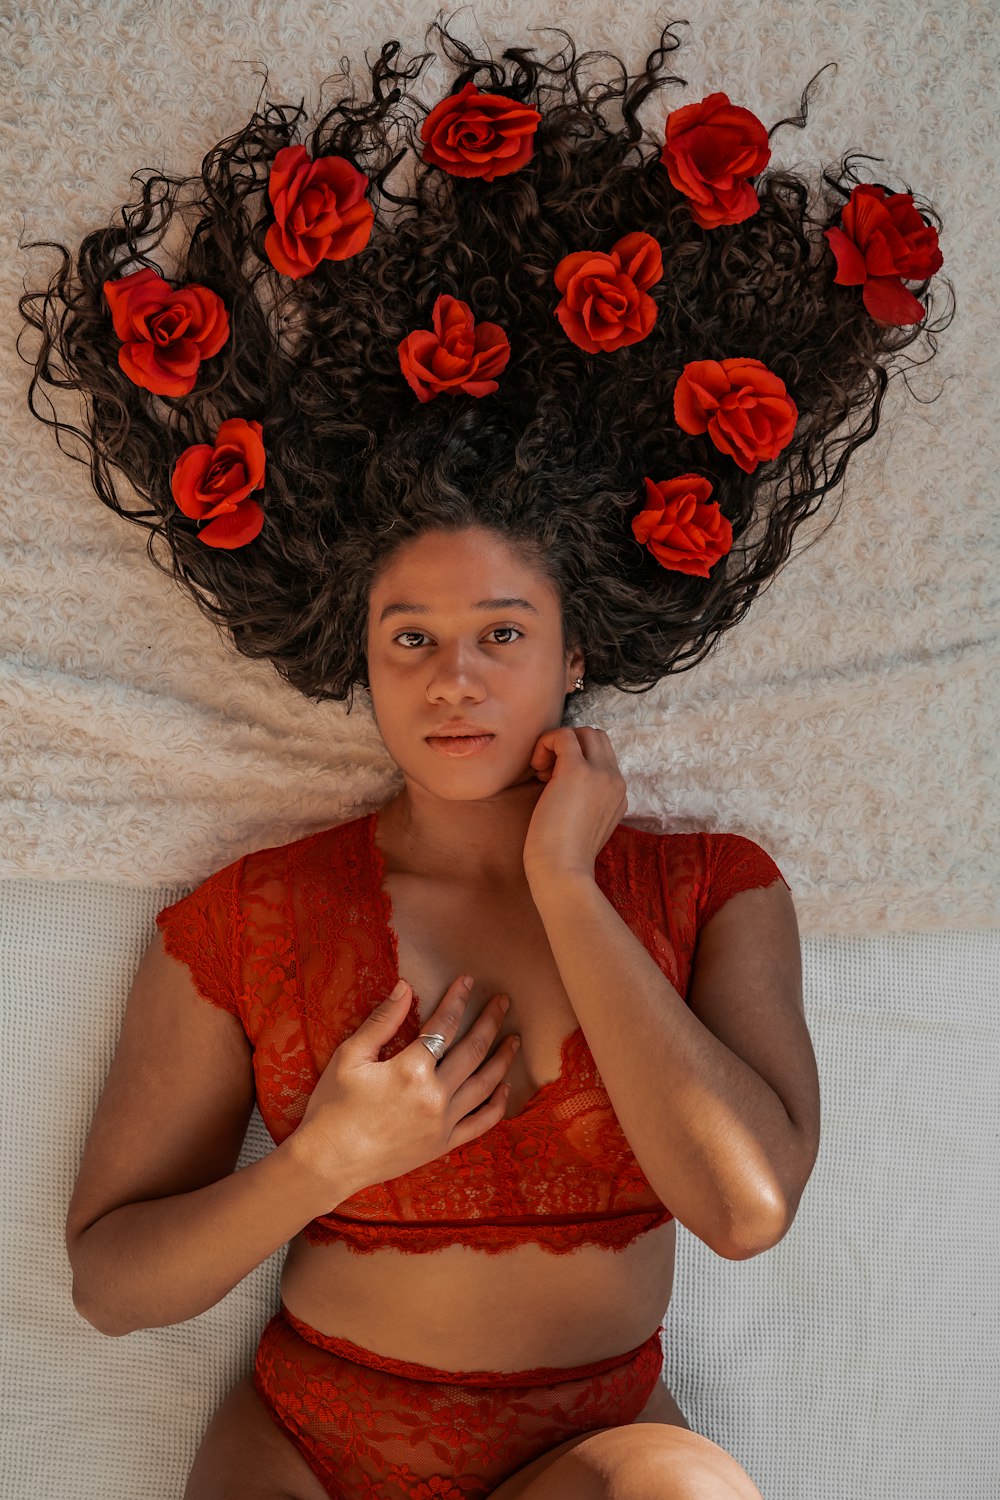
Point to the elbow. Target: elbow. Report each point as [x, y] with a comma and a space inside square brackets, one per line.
[768, 1217]
[746, 1249]
[89, 1307]
[757, 1229]
[81, 1300]
[96, 1316]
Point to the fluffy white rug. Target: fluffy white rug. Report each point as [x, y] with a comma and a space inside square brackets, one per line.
[848, 724]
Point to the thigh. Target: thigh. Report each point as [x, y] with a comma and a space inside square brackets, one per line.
[244, 1455]
[651, 1461]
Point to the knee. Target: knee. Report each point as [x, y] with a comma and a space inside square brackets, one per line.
[674, 1463]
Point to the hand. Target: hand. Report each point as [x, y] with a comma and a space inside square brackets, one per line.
[583, 802]
[368, 1121]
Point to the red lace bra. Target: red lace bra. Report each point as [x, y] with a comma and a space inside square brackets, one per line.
[296, 941]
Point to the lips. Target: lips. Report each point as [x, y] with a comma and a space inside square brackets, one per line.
[459, 744]
[458, 730]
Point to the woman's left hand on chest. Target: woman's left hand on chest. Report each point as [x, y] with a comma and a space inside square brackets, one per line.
[584, 800]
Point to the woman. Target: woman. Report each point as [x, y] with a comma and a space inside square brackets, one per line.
[481, 1239]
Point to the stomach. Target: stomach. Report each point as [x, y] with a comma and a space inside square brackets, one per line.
[458, 1308]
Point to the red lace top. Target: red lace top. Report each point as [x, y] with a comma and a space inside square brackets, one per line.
[296, 942]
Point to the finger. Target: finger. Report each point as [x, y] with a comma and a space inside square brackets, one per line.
[553, 743]
[540, 753]
[384, 1021]
[595, 744]
[446, 1018]
[486, 1083]
[591, 740]
[480, 1120]
[470, 1053]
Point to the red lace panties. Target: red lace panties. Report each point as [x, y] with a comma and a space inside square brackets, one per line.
[373, 1428]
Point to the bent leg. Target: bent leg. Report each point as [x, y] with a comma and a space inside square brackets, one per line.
[641, 1462]
[245, 1456]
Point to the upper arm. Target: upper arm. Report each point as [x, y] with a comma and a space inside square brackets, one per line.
[175, 1107]
[746, 987]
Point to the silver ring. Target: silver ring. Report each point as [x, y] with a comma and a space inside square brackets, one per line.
[434, 1042]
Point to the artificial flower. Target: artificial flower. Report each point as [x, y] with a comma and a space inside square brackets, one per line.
[165, 331]
[470, 134]
[742, 405]
[604, 304]
[882, 239]
[458, 356]
[213, 482]
[709, 151]
[682, 527]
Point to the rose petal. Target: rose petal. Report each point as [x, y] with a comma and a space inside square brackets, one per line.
[727, 208]
[479, 387]
[143, 289]
[578, 262]
[354, 233]
[887, 300]
[850, 262]
[640, 258]
[235, 529]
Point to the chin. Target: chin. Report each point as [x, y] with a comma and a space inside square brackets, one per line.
[459, 780]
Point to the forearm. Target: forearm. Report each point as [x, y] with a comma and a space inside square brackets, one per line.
[708, 1132]
[147, 1265]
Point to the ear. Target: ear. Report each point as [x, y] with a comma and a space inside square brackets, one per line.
[575, 665]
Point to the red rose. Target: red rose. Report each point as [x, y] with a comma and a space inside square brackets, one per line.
[470, 134]
[604, 303]
[881, 239]
[460, 355]
[681, 526]
[165, 333]
[742, 405]
[709, 150]
[215, 481]
[320, 211]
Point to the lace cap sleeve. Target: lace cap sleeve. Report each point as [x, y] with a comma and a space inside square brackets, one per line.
[733, 863]
[201, 930]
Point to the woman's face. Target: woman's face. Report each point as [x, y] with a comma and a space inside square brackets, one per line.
[443, 653]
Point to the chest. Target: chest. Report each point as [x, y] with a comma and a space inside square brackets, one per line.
[444, 929]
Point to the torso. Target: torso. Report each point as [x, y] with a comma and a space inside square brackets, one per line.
[525, 1307]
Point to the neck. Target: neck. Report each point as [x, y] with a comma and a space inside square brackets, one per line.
[479, 841]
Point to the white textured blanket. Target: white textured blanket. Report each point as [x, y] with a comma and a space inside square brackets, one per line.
[848, 724]
[857, 1360]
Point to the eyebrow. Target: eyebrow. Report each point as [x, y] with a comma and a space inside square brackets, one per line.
[422, 609]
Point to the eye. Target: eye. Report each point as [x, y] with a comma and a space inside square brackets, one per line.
[506, 629]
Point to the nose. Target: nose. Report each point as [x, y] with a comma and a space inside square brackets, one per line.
[455, 678]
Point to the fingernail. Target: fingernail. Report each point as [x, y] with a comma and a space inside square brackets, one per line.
[515, 1044]
[397, 993]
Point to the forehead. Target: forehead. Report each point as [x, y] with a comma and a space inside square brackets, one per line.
[460, 569]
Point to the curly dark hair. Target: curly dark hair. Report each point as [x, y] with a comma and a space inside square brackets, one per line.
[553, 461]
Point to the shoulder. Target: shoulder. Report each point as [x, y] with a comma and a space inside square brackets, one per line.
[236, 882]
[325, 847]
[711, 866]
[735, 863]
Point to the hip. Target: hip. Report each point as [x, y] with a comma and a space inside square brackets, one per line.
[367, 1424]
